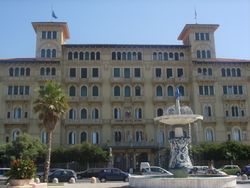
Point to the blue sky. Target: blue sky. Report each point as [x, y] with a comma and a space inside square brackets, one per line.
[125, 22]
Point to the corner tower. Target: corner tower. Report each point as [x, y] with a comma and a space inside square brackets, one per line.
[49, 38]
[201, 39]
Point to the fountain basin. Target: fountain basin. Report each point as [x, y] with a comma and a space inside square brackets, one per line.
[190, 182]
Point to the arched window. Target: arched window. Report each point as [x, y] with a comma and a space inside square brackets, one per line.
[95, 113]
[119, 56]
[113, 56]
[129, 56]
[137, 91]
[83, 137]
[15, 134]
[117, 113]
[75, 55]
[81, 55]
[95, 91]
[124, 56]
[72, 91]
[181, 56]
[22, 71]
[165, 56]
[134, 56]
[139, 55]
[48, 53]
[53, 71]
[54, 53]
[238, 72]
[72, 137]
[98, 56]
[198, 54]
[210, 73]
[84, 113]
[47, 71]
[42, 71]
[207, 111]
[84, 91]
[223, 72]
[236, 134]
[118, 136]
[176, 56]
[170, 91]
[127, 91]
[95, 138]
[86, 55]
[171, 56]
[138, 113]
[235, 111]
[28, 71]
[70, 56]
[72, 114]
[17, 113]
[228, 72]
[17, 73]
[92, 56]
[44, 137]
[203, 54]
[11, 71]
[117, 91]
[233, 72]
[209, 135]
[160, 56]
[138, 136]
[182, 90]
[155, 56]
[159, 91]
[208, 54]
[43, 53]
[159, 112]
[161, 137]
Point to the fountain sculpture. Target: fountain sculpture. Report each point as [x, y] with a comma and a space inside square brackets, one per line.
[179, 117]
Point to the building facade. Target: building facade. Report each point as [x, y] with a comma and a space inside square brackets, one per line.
[116, 91]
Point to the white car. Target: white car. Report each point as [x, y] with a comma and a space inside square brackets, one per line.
[156, 170]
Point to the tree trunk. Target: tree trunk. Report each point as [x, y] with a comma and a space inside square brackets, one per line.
[47, 161]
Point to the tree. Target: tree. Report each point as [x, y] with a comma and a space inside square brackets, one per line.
[51, 105]
[25, 147]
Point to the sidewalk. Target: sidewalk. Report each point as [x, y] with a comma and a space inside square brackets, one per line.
[94, 185]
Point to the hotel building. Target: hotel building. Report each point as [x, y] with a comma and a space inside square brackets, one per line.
[116, 90]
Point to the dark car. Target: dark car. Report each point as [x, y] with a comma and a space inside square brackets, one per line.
[91, 172]
[246, 170]
[40, 175]
[113, 174]
[63, 175]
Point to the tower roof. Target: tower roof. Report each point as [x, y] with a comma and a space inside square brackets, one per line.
[191, 27]
[63, 25]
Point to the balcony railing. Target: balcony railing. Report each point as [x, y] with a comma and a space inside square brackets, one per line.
[243, 119]
[83, 121]
[182, 79]
[211, 119]
[18, 97]
[45, 78]
[16, 121]
[205, 78]
[234, 97]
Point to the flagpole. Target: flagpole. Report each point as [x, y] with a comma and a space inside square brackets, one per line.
[195, 15]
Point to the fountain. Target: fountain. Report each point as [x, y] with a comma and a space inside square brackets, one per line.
[180, 162]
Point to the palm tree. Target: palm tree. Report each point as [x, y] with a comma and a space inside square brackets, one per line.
[51, 105]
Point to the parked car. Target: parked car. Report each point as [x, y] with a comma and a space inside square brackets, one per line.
[203, 170]
[40, 175]
[3, 172]
[63, 175]
[91, 172]
[113, 174]
[246, 170]
[231, 169]
[155, 170]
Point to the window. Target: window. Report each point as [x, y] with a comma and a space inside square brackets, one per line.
[126, 72]
[72, 114]
[75, 55]
[165, 56]
[118, 136]
[95, 138]
[179, 72]
[17, 113]
[202, 37]
[43, 53]
[95, 91]
[176, 56]
[84, 91]
[129, 56]
[72, 137]
[83, 137]
[209, 135]
[139, 136]
[207, 111]
[181, 90]
[138, 113]
[159, 91]
[117, 113]
[137, 72]
[49, 34]
[15, 134]
[117, 72]
[11, 71]
[113, 56]
[197, 36]
[160, 56]
[119, 56]
[27, 90]
[48, 53]
[10, 90]
[84, 73]
[43, 34]
[95, 72]
[72, 72]
[70, 56]
[207, 36]
[134, 56]
[139, 56]
[44, 137]
[127, 91]
[223, 72]
[206, 90]
[53, 71]
[159, 112]
[170, 91]
[124, 56]
[158, 72]
[98, 56]
[72, 91]
[169, 73]
[137, 91]
[171, 56]
[236, 134]
[155, 56]
[54, 34]
[95, 113]
[117, 91]
[17, 71]
[208, 54]
[198, 54]
[15, 90]
[27, 71]
[84, 113]
[54, 53]
[86, 55]
[81, 55]
[203, 54]
[92, 55]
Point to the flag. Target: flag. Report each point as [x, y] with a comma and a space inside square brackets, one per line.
[54, 15]
[177, 94]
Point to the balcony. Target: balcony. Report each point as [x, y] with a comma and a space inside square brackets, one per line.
[138, 80]
[95, 99]
[117, 99]
[238, 119]
[18, 98]
[210, 119]
[234, 97]
[73, 99]
[21, 121]
[95, 80]
[205, 78]
[159, 80]
[83, 121]
[138, 99]
[71, 79]
[128, 121]
[181, 79]
[159, 99]
[117, 80]
[45, 78]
